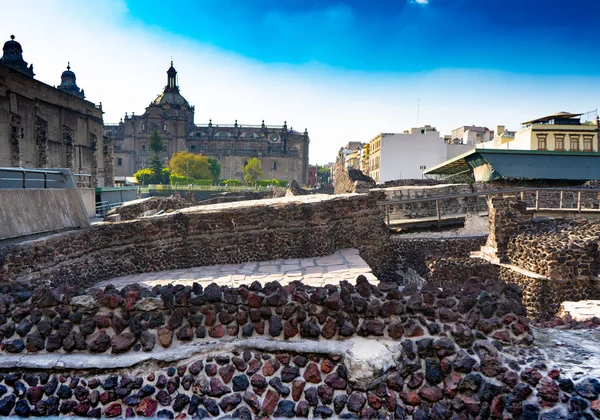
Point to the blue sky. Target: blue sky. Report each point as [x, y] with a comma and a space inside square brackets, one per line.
[346, 70]
[393, 35]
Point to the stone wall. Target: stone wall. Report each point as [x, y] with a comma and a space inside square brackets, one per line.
[148, 207]
[422, 353]
[415, 210]
[543, 297]
[294, 227]
[415, 253]
[410, 183]
[443, 271]
[350, 180]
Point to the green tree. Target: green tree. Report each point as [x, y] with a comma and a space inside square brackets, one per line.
[253, 171]
[215, 170]
[156, 163]
[144, 176]
[324, 175]
[190, 165]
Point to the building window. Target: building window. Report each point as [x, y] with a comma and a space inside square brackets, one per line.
[542, 141]
[574, 138]
[119, 162]
[193, 148]
[274, 167]
[559, 142]
[164, 127]
[143, 148]
[587, 143]
[143, 127]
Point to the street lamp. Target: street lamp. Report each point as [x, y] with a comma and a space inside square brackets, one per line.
[422, 168]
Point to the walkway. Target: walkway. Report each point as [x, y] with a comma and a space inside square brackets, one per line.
[345, 264]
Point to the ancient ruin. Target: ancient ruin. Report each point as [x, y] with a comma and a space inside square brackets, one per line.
[301, 306]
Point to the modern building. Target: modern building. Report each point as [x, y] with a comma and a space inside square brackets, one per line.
[46, 127]
[470, 134]
[405, 155]
[559, 132]
[283, 152]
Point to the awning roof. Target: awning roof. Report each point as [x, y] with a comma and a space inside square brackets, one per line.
[551, 117]
[522, 164]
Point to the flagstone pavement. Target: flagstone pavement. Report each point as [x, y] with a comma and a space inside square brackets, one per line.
[345, 264]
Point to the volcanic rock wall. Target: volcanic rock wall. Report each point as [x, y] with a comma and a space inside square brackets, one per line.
[419, 254]
[292, 227]
[423, 353]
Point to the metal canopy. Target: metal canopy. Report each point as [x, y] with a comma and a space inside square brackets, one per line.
[493, 164]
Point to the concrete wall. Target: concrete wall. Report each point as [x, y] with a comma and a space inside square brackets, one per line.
[88, 196]
[32, 211]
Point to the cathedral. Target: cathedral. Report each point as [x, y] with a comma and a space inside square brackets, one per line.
[283, 152]
[42, 126]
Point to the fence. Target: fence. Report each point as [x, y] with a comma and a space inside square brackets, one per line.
[458, 205]
[15, 178]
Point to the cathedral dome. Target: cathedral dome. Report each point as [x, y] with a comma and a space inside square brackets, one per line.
[171, 98]
[171, 95]
[68, 83]
[12, 56]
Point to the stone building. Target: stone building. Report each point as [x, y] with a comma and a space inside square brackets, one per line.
[283, 152]
[46, 127]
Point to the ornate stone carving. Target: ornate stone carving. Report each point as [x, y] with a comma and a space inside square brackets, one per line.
[108, 154]
[41, 138]
[94, 162]
[69, 141]
[16, 140]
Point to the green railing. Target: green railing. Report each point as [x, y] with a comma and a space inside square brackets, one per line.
[160, 187]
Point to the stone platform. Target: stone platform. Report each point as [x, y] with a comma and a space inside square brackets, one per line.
[582, 310]
[345, 264]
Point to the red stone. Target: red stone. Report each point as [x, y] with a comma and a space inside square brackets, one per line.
[497, 407]
[210, 318]
[328, 330]
[327, 366]
[501, 336]
[451, 384]
[130, 298]
[254, 300]
[595, 406]
[471, 404]
[509, 318]
[297, 388]
[410, 397]
[252, 401]
[217, 331]
[259, 327]
[312, 373]
[518, 329]
[554, 373]
[390, 402]
[270, 402]
[147, 407]
[253, 366]
[113, 410]
[431, 393]
[289, 330]
[227, 372]
[270, 367]
[374, 401]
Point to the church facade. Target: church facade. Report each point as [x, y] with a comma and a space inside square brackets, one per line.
[46, 127]
[283, 152]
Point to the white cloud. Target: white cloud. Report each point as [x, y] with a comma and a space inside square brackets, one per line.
[122, 63]
[419, 1]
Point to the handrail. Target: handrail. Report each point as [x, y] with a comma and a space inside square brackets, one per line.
[480, 193]
[388, 204]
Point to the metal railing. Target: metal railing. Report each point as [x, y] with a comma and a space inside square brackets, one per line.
[31, 178]
[192, 187]
[458, 205]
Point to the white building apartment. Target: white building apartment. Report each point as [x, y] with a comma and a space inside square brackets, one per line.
[406, 155]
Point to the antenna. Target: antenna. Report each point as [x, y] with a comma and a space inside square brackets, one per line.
[418, 109]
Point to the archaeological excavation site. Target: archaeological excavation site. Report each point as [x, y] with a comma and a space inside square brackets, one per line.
[310, 306]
